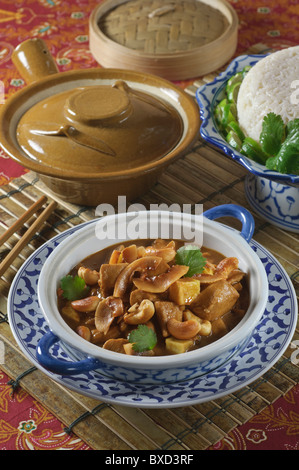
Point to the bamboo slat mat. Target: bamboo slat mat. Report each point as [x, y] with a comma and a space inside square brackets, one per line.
[204, 176]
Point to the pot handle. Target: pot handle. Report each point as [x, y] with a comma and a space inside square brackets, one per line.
[59, 366]
[239, 213]
[33, 60]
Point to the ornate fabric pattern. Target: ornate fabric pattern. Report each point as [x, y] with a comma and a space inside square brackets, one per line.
[26, 425]
[276, 427]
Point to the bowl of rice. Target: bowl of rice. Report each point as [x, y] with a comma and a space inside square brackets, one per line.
[251, 113]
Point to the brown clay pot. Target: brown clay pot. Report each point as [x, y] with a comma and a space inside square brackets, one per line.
[93, 135]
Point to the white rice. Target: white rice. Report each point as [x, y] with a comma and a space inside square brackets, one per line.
[272, 85]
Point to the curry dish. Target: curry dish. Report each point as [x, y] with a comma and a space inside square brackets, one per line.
[154, 298]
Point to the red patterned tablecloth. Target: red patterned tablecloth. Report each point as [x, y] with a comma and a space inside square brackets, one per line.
[25, 423]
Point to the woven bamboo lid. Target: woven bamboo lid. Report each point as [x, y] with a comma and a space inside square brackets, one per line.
[176, 39]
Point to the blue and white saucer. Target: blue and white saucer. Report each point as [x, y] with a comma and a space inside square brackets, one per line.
[264, 348]
[272, 195]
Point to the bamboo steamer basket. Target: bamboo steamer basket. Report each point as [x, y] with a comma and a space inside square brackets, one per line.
[176, 40]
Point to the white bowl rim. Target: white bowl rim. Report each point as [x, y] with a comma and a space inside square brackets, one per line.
[230, 340]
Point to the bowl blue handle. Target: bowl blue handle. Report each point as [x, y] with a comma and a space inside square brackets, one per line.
[236, 211]
[59, 366]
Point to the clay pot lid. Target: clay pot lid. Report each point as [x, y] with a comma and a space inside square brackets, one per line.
[98, 105]
[102, 128]
[65, 145]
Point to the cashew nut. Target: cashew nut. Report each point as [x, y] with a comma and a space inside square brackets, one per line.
[140, 251]
[140, 313]
[89, 304]
[90, 277]
[183, 330]
[161, 243]
[205, 325]
[129, 254]
[167, 253]
[84, 332]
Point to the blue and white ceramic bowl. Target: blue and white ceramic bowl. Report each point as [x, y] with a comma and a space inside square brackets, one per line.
[148, 370]
[273, 195]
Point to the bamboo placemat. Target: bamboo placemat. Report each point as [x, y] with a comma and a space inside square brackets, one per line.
[204, 176]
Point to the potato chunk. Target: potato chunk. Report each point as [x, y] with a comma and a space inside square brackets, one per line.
[177, 346]
[216, 300]
[184, 291]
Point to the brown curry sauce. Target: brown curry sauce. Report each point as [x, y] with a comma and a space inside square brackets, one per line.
[219, 326]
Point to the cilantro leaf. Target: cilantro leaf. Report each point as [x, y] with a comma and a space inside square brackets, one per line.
[191, 256]
[73, 287]
[273, 133]
[143, 338]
